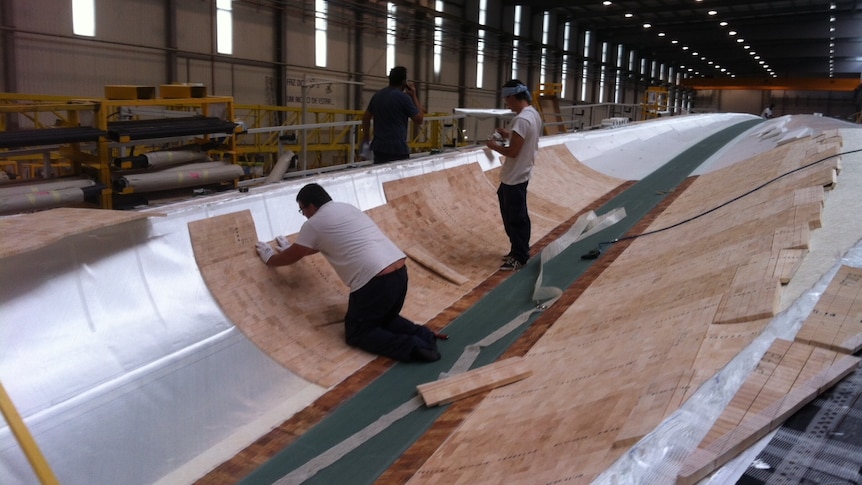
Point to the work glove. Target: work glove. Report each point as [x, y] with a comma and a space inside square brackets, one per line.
[281, 243]
[264, 250]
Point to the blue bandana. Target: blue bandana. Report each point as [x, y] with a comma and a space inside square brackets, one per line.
[511, 91]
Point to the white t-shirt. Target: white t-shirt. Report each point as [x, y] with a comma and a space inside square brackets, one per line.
[528, 124]
[352, 243]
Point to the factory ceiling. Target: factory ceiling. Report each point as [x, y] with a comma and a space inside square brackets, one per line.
[733, 39]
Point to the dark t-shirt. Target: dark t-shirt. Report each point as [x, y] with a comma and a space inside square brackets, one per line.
[391, 109]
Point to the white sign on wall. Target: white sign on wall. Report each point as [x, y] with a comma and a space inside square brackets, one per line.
[316, 93]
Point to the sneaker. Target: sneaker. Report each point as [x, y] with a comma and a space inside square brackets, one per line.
[511, 264]
[506, 257]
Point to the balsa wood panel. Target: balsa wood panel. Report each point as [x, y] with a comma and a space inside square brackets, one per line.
[836, 320]
[294, 313]
[475, 381]
[789, 375]
[447, 222]
[28, 232]
[642, 337]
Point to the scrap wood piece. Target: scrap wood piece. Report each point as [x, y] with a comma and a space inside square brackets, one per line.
[472, 382]
[422, 256]
[763, 402]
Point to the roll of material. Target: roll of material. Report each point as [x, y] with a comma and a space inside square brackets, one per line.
[195, 166]
[173, 179]
[161, 159]
[45, 186]
[47, 199]
[168, 158]
[280, 167]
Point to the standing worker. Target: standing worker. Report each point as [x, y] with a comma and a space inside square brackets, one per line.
[520, 155]
[366, 261]
[390, 108]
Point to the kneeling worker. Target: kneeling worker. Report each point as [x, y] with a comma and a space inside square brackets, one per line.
[366, 261]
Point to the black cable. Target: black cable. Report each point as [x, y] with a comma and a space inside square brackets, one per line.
[596, 252]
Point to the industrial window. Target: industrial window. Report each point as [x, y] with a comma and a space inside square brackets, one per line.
[543, 63]
[224, 27]
[391, 27]
[564, 71]
[618, 89]
[586, 65]
[438, 39]
[603, 71]
[320, 33]
[84, 17]
[517, 32]
[480, 44]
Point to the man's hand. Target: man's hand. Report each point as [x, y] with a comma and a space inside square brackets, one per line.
[264, 250]
[281, 243]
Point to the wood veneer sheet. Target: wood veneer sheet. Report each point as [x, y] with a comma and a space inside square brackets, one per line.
[294, 313]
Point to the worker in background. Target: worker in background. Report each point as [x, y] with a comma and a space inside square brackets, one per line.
[390, 108]
[767, 112]
[366, 261]
[520, 155]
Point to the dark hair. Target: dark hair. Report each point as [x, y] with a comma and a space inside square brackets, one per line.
[313, 194]
[397, 76]
[525, 95]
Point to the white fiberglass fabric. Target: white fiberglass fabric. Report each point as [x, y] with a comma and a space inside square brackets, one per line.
[119, 360]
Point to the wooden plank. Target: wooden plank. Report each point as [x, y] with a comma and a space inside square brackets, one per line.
[459, 386]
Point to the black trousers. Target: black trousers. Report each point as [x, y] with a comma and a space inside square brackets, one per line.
[373, 322]
[383, 157]
[516, 220]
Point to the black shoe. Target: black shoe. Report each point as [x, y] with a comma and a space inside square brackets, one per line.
[422, 354]
[511, 264]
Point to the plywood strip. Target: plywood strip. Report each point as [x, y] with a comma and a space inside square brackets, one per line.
[836, 320]
[472, 382]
